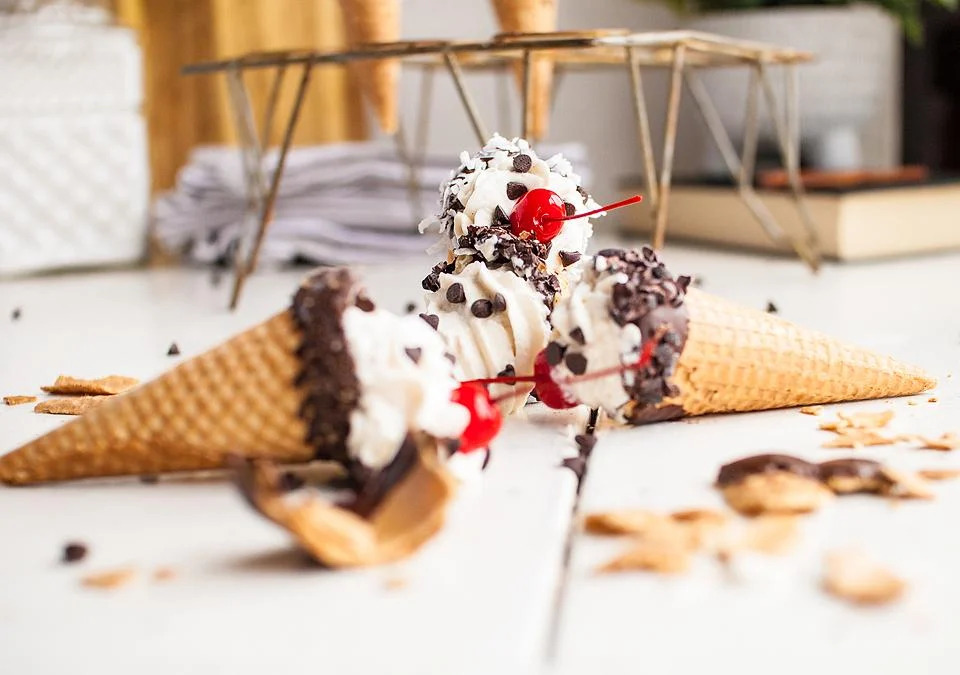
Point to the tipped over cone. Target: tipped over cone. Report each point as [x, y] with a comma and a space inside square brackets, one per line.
[532, 16]
[368, 22]
[238, 398]
[740, 359]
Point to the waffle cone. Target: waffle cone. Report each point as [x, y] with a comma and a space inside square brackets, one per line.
[368, 22]
[237, 399]
[532, 16]
[740, 359]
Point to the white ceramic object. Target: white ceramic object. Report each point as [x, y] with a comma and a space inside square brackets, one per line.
[839, 91]
[73, 153]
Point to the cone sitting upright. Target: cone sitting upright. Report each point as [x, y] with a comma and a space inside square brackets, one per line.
[713, 357]
[369, 22]
[532, 16]
[313, 382]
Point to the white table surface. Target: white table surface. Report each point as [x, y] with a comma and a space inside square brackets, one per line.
[492, 593]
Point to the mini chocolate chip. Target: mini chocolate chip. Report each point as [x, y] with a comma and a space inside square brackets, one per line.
[481, 308]
[364, 304]
[585, 443]
[569, 257]
[569, 208]
[432, 319]
[414, 353]
[659, 272]
[500, 218]
[583, 193]
[508, 371]
[450, 357]
[16, 314]
[771, 308]
[431, 282]
[174, 349]
[289, 481]
[149, 479]
[576, 363]
[683, 281]
[576, 464]
[515, 190]
[456, 294]
[499, 302]
[74, 552]
[522, 163]
[554, 353]
[410, 308]
[577, 336]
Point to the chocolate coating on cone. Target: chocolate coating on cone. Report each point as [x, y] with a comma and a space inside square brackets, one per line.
[327, 376]
[649, 298]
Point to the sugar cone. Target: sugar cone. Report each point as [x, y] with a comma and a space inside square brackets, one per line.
[740, 359]
[532, 16]
[238, 398]
[368, 22]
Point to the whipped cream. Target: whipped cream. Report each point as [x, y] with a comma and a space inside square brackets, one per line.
[605, 344]
[477, 194]
[487, 345]
[405, 380]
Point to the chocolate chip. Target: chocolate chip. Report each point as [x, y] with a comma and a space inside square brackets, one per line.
[499, 302]
[585, 443]
[414, 353]
[16, 314]
[431, 282]
[174, 349]
[515, 190]
[508, 371]
[659, 272]
[450, 357]
[569, 257]
[364, 304]
[500, 218]
[554, 353]
[576, 464]
[456, 294]
[771, 308]
[522, 163]
[410, 308]
[583, 193]
[74, 552]
[569, 208]
[432, 319]
[577, 336]
[149, 479]
[576, 363]
[481, 308]
[683, 282]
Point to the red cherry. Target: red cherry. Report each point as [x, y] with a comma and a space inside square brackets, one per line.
[538, 212]
[541, 212]
[548, 391]
[485, 417]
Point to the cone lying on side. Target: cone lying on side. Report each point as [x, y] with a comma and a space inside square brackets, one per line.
[369, 22]
[714, 356]
[532, 16]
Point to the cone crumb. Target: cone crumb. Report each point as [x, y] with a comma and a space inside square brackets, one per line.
[68, 406]
[812, 409]
[104, 386]
[18, 400]
[939, 474]
[110, 579]
[396, 583]
[663, 556]
[947, 441]
[164, 574]
[932, 399]
[853, 577]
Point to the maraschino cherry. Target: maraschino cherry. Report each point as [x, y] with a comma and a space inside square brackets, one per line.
[485, 418]
[541, 212]
[548, 391]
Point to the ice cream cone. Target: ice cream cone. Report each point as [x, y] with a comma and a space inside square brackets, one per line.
[740, 359]
[532, 16]
[369, 22]
[238, 398]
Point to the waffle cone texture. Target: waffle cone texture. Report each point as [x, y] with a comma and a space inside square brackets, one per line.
[369, 22]
[236, 399]
[741, 359]
[532, 16]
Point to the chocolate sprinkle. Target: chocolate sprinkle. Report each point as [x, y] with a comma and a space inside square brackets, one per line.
[432, 320]
[456, 294]
[576, 363]
[414, 353]
[74, 552]
[481, 308]
[499, 302]
[577, 336]
[515, 190]
[522, 163]
[772, 308]
[569, 208]
[327, 376]
[554, 353]
[174, 349]
[569, 257]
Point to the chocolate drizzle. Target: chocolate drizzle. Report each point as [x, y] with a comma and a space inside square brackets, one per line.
[649, 298]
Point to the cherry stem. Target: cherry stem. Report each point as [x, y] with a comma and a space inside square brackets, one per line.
[646, 353]
[635, 199]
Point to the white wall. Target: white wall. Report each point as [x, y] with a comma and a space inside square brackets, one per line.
[594, 108]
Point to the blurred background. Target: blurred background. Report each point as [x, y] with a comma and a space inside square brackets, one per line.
[105, 145]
